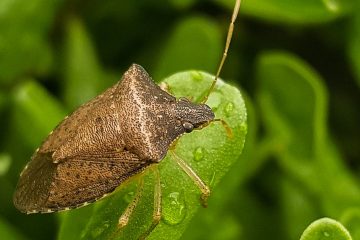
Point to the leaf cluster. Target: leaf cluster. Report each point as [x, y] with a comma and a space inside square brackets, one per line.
[297, 63]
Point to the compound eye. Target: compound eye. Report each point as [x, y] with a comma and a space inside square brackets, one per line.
[188, 127]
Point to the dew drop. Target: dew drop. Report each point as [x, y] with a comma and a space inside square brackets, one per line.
[129, 197]
[199, 154]
[174, 209]
[196, 75]
[229, 108]
[326, 234]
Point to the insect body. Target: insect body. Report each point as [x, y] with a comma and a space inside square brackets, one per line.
[116, 135]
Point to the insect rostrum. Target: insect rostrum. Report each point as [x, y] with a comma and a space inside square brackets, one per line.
[104, 142]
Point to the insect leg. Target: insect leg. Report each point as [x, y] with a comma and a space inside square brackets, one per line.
[124, 219]
[157, 198]
[157, 204]
[226, 126]
[205, 190]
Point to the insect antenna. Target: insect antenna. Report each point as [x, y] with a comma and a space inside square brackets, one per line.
[227, 45]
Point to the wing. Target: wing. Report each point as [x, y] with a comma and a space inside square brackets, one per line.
[91, 128]
[45, 186]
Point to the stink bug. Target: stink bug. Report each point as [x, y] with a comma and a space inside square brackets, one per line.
[115, 136]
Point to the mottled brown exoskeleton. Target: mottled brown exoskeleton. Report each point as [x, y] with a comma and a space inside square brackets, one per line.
[118, 134]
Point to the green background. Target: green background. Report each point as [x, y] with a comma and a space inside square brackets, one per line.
[297, 63]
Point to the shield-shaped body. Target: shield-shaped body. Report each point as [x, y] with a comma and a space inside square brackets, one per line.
[104, 142]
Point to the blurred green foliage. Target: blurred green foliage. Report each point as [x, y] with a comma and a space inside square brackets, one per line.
[297, 64]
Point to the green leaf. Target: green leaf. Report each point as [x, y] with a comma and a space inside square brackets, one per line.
[300, 12]
[221, 202]
[293, 102]
[183, 4]
[24, 26]
[297, 207]
[7, 231]
[82, 71]
[325, 229]
[3, 101]
[194, 44]
[351, 220]
[354, 45]
[210, 152]
[5, 162]
[35, 112]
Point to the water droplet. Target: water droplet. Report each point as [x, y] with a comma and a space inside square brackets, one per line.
[129, 197]
[199, 154]
[326, 234]
[229, 108]
[196, 75]
[174, 208]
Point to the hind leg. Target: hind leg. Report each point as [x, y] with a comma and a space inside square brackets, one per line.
[157, 204]
[124, 219]
[205, 190]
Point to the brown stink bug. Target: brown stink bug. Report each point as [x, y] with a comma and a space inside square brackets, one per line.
[115, 136]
